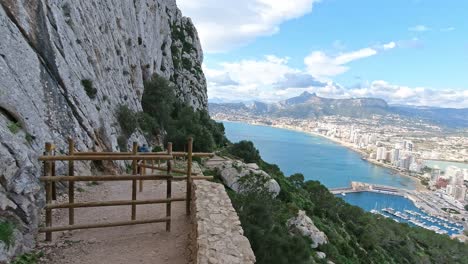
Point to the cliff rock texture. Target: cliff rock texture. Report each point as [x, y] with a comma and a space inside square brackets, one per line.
[65, 66]
[304, 226]
[240, 176]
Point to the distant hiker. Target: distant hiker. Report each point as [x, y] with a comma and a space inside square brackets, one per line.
[143, 148]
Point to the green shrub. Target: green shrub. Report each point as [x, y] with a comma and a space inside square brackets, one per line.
[28, 258]
[148, 124]
[186, 63]
[14, 127]
[127, 120]
[122, 143]
[157, 149]
[158, 100]
[245, 150]
[6, 233]
[89, 89]
[29, 138]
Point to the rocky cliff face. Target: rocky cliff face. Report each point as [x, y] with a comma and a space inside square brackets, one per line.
[65, 66]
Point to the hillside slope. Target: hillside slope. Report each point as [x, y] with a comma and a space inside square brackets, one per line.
[65, 67]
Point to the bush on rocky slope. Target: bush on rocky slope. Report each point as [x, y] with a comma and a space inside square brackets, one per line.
[163, 113]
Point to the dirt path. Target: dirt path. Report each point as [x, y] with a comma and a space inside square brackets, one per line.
[148, 243]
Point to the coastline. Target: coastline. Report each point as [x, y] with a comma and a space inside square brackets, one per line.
[419, 196]
[418, 186]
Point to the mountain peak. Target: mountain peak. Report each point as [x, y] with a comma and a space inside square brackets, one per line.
[300, 99]
[307, 94]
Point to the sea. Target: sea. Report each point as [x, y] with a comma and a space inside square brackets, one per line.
[320, 159]
[316, 157]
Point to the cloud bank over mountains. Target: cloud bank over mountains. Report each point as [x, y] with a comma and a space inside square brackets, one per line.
[271, 79]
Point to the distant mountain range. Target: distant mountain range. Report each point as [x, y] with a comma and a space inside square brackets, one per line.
[309, 105]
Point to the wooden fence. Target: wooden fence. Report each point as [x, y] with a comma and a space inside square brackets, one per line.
[139, 167]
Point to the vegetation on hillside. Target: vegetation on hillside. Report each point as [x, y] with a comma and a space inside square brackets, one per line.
[355, 236]
[163, 113]
[89, 89]
[6, 233]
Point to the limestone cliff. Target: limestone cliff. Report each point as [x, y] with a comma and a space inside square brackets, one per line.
[65, 66]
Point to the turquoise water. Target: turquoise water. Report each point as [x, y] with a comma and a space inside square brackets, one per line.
[444, 164]
[315, 157]
[378, 201]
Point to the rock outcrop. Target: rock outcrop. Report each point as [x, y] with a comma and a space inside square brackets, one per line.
[234, 174]
[65, 66]
[303, 225]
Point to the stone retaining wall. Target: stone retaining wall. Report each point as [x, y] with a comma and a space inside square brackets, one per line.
[217, 236]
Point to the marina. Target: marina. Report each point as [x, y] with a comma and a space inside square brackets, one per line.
[402, 210]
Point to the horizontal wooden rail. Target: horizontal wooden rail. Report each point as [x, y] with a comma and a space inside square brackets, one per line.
[195, 154]
[175, 154]
[88, 226]
[112, 203]
[105, 178]
[106, 157]
[163, 169]
[183, 178]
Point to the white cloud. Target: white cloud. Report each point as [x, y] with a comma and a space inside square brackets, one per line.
[223, 25]
[321, 65]
[419, 28]
[389, 45]
[400, 94]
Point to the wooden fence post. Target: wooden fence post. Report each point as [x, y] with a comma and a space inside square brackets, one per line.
[71, 184]
[189, 174]
[142, 172]
[52, 173]
[169, 188]
[134, 182]
[47, 170]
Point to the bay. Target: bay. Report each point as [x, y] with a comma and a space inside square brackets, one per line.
[315, 157]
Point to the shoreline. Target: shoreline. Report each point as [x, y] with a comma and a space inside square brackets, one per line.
[418, 185]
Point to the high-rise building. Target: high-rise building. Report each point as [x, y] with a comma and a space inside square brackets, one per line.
[408, 145]
[381, 153]
[459, 193]
[394, 156]
[404, 163]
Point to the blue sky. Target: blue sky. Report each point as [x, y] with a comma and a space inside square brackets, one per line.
[405, 51]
